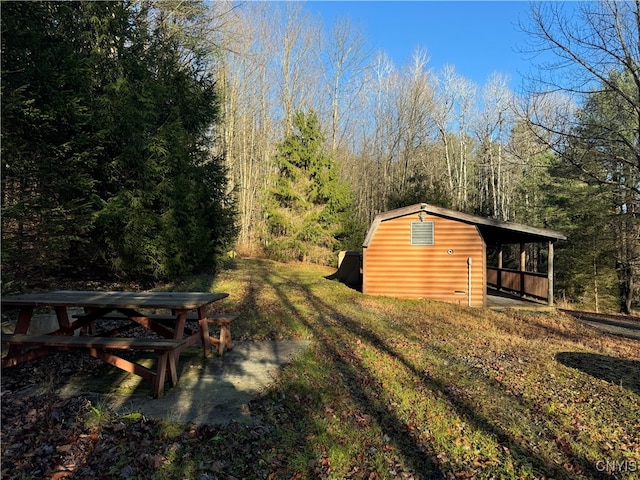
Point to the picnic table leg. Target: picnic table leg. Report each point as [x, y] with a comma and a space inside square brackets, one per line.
[171, 364]
[181, 320]
[166, 360]
[178, 333]
[22, 325]
[24, 320]
[63, 320]
[203, 328]
[158, 379]
[91, 327]
[225, 336]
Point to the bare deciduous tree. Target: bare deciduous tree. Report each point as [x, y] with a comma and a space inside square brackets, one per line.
[595, 49]
[456, 99]
[347, 59]
[295, 48]
[493, 129]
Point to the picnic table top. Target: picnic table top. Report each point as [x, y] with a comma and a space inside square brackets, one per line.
[97, 299]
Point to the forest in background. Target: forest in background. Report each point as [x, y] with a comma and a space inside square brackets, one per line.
[149, 138]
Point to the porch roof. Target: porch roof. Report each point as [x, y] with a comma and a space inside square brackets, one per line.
[494, 232]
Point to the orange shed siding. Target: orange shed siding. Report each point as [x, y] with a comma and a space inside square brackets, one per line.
[394, 267]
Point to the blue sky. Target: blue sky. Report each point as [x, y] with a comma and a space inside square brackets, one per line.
[477, 37]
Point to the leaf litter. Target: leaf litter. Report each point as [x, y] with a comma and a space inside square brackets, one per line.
[390, 389]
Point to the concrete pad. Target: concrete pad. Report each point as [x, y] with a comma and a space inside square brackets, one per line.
[216, 390]
[42, 324]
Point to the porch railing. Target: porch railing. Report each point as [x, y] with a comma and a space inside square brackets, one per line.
[519, 282]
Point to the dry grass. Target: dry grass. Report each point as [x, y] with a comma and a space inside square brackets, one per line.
[398, 387]
[390, 389]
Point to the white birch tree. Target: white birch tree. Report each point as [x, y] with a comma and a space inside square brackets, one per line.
[497, 168]
[452, 115]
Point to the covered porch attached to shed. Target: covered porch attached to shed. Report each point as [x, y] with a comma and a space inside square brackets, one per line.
[424, 251]
[520, 261]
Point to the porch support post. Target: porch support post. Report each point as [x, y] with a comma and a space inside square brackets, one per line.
[499, 279]
[523, 267]
[550, 276]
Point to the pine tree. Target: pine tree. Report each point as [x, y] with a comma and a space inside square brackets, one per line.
[592, 189]
[308, 204]
[50, 150]
[585, 270]
[604, 151]
[106, 125]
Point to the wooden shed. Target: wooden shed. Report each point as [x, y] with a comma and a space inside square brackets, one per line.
[423, 251]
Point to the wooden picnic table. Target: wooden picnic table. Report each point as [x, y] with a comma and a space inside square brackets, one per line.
[138, 308]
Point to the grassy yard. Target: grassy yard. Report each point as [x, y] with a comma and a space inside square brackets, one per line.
[406, 389]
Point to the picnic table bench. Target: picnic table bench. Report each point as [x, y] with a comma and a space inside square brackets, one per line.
[97, 347]
[223, 321]
[99, 306]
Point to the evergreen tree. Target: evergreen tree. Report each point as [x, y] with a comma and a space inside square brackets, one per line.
[585, 272]
[591, 193]
[106, 121]
[308, 209]
[597, 65]
[605, 148]
[49, 152]
[164, 187]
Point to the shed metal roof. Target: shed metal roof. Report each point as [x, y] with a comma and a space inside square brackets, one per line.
[494, 232]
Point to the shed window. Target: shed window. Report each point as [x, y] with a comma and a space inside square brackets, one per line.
[422, 233]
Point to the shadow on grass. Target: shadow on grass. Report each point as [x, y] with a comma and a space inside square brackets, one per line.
[618, 371]
[462, 406]
[335, 331]
[330, 336]
[335, 327]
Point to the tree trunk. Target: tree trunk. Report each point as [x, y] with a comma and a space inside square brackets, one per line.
[625, 282]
